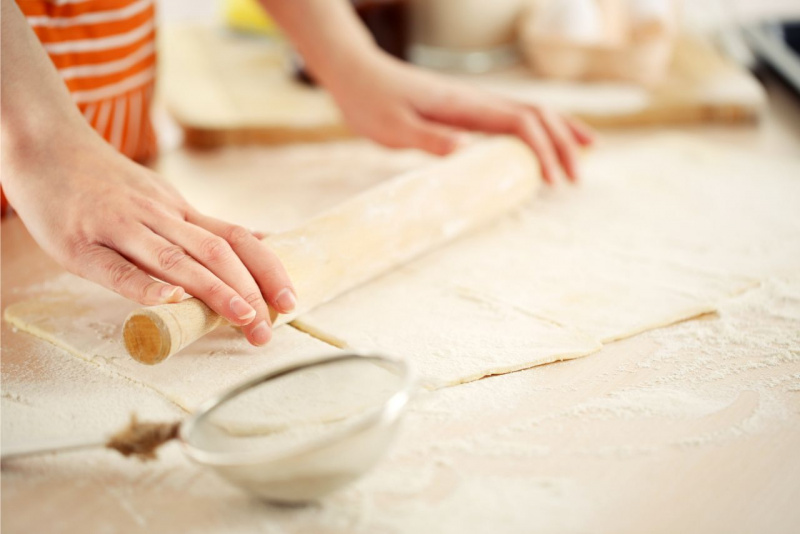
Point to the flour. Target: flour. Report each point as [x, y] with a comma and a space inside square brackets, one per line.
[59, 395]
[549, 448]
[654, 402]
[507, 439]
[627, 251]
[719, 380]
[86, 320]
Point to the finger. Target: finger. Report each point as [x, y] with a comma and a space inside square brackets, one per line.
[263, 264]
[562, 140]
[531, 131]
[430, 136]
[580, 131]
[109, 269]
[170, 262]
[474, 110]
[477, 111]
[218, 256]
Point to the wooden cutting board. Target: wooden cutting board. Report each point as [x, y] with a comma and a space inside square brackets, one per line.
[226, 88]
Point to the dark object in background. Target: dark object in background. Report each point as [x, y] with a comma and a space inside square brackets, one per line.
[386, 20]
[777, 44]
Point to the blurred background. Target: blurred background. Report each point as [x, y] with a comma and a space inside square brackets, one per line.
[473, 24]
[613, 63]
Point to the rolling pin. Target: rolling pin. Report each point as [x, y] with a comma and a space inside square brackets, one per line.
[369, 234]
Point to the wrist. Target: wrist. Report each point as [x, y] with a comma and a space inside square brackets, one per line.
[36, 148]
[355, 73]
[333, 66]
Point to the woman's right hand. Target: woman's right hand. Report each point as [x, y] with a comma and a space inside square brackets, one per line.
[114, 222]
[110, 220]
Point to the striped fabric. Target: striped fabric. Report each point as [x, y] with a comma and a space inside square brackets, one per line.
[105, 53]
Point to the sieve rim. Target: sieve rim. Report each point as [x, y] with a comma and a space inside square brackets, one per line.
[382, 415]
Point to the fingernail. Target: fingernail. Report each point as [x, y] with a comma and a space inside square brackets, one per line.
[241, 309]
[171, 293]
[261, 333]
[286, 300]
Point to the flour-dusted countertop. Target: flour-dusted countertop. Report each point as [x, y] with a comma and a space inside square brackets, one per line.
[693, 426]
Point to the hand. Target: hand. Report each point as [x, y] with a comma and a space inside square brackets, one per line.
[399, 105]
[116, 223]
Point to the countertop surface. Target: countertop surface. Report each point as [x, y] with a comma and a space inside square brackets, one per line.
[694, 426]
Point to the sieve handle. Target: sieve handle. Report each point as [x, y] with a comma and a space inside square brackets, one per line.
[36, 448]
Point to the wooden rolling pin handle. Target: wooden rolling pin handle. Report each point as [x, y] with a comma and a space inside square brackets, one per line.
[153, 334]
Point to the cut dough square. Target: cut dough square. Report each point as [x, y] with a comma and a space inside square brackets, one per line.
[449, 335]
[86, 320]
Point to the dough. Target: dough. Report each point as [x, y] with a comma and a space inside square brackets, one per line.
[86, 320]
[660, 231]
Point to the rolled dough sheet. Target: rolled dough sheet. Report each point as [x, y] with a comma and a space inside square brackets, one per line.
[86, 320]
[658, 232]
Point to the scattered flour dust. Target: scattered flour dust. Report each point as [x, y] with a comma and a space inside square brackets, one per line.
[54, 396]
[460, 443]
[47, 395]
[654, 402]
[737, 373]
[513, 438]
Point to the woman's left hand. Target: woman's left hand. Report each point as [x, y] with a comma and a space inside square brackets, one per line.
[402, 106]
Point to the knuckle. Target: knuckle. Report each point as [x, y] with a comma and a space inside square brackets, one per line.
[79, 256]
[217, 288]
[253, 298]
[237, 235]
[272, 273]
[121, 273]
[73, 250]
[170, 257]
[521, 123]
[214, 250]
[147, 204]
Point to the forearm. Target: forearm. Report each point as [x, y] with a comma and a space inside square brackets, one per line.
[327, 33]
[35, 103]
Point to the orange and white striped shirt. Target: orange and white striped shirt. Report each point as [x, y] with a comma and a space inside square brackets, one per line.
[104, 51]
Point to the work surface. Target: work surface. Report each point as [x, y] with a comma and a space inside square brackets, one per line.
[690, 427]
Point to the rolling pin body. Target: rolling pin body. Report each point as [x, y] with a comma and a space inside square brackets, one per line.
[363, 237]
